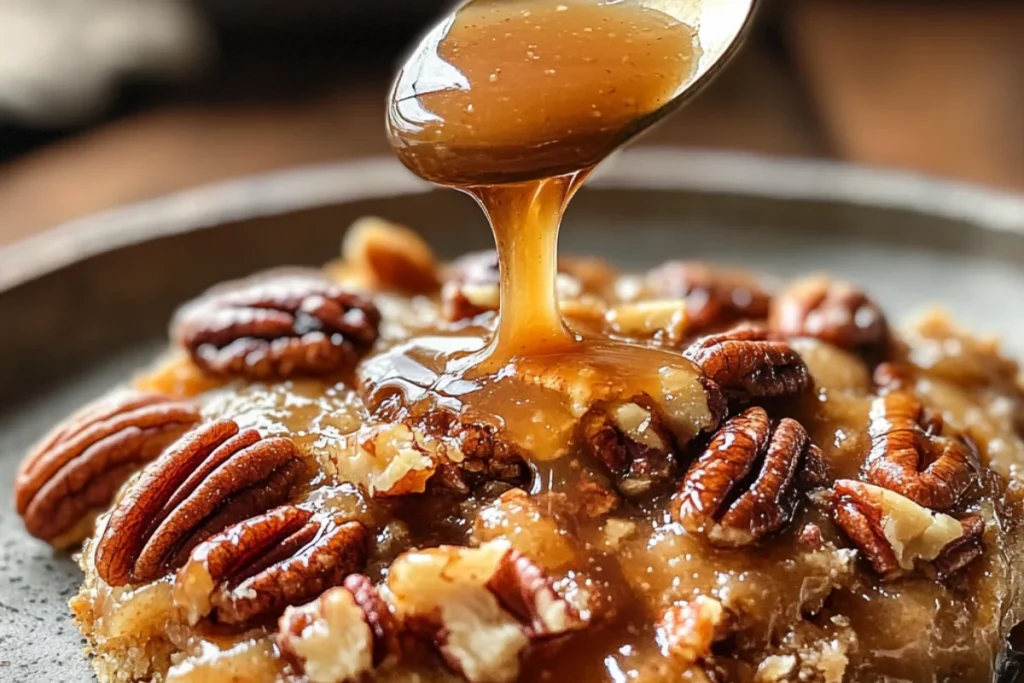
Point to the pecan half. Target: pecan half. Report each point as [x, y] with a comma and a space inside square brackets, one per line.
[276, 326]
[908, 454]
[835, 312]
[481, 607]
[341, 636]
[747, 363]
[78, 467]
[895, 533]
[715, 297]
[706, 502]
[256, 568]
[686, 631]
[391, 256]
[211, 478]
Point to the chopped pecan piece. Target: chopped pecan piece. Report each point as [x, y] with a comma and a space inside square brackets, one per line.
[467, 453]
[212, 477]
[747, 363]
[686, 631]
[632, 441]
[707, 503]
[391, 256]
[473, 287]
[256, 568]
[908, 454]
[481, 607]
[78, 467]
[835, 312]
[961, 552]
[341, 636]
[715, 297]
[276, 326]
[894, 532]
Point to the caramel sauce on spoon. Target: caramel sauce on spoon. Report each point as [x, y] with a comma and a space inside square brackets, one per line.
[514, 102]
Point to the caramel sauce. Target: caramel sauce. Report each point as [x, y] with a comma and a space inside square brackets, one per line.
[514, 103]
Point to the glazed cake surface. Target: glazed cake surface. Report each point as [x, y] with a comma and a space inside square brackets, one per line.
[297, 492]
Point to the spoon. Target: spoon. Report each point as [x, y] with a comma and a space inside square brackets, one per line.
[504, 91]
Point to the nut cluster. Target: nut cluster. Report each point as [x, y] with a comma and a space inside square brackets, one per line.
[277, 326]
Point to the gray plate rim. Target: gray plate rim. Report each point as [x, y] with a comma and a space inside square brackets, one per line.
[650, 168]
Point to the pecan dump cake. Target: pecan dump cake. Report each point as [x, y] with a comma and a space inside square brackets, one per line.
[365, 472]
[817, 498]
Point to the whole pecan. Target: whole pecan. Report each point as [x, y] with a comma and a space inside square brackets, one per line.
[79, 466]
[276, 326]
[707, 500]
[715, 297]
[894, 533]
[908, 454]
[747, 363]
[835, 312]
[258, 567]
[353, 614]
[209, 479]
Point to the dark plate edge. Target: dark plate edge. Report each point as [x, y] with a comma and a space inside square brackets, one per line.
[650, 168]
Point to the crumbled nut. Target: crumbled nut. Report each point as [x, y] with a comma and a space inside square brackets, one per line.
[706, 501]
[631, 440]
[388, 459]
[533, 527]
[910, 457]
[714, 297]
[75, 470]
[834, 312]
[686, 631]
[209, 479]
[891, 530]
[662, 320]
[466, 454]
[747, 363]
[391, 256]
[341, 636]
[277, 326]
[257, 568]
[481, 607]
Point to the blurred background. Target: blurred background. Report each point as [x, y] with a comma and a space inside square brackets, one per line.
[104, 102]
